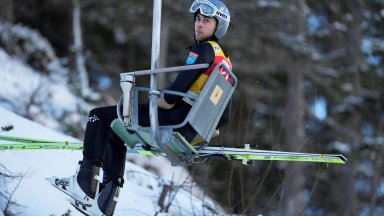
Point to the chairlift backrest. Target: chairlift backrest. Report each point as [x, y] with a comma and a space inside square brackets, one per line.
[211, 103]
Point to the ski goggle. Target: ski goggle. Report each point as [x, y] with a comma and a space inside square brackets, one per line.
[208, 9]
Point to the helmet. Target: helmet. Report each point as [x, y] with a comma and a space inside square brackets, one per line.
[213, 8]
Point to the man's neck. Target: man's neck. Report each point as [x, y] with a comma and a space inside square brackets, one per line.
[205, 40]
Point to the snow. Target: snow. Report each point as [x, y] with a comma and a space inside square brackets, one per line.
[319, 108]
[139, 196]
[33, 40]
[21, 85]
[42, 92]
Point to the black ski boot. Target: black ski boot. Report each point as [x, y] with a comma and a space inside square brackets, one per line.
[83, 186]
[108, 197]
[88, 178]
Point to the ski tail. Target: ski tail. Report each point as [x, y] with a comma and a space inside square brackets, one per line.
[21, 143]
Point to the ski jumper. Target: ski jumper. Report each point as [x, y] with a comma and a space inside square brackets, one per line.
[103, 147]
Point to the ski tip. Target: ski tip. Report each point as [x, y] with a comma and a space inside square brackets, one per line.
[51, 179]
[344, 159]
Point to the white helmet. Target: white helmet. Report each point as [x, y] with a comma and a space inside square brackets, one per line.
[213, 8]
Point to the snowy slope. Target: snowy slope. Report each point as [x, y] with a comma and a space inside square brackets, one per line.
[45, 98]
[139, 196]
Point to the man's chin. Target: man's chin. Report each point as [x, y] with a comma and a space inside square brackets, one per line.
[200, 38]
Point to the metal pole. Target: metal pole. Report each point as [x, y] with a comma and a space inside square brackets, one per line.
[154, 93]
[156, 27]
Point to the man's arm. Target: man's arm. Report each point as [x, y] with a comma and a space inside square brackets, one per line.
[202, 53]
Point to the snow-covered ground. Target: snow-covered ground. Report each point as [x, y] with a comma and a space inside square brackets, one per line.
[139, 196]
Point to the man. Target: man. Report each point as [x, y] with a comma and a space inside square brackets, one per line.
[103, 148]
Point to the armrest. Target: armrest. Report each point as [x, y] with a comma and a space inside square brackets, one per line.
[182, 94]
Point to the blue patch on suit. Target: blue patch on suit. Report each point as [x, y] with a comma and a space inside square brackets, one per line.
[191, 58]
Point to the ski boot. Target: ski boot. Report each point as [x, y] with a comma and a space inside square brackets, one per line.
[104, 203]
[83, 186]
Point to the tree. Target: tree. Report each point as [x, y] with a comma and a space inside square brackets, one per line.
[77, 47]
[294, 182]
[6, 8]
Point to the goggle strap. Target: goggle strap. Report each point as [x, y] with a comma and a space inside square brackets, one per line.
[197, 5]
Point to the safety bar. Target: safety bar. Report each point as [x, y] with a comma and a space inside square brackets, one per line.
[163, 70]
[163, 92]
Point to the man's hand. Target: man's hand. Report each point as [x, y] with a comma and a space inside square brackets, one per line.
[162, 103]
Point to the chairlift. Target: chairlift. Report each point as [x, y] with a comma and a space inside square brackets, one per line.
[204, 116]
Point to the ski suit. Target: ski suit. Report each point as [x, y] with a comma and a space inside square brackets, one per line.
[103, 147]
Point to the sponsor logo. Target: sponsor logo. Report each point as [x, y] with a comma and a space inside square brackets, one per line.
[82, 205]
[61, 182]
[93, 118]
[191, 58]
[223, 72]
[216, 48]
[222, 15]
[216, 95]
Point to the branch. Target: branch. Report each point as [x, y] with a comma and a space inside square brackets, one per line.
[9, 203]
[6, 128]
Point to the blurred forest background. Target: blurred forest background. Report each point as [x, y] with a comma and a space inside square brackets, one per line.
[311, 79]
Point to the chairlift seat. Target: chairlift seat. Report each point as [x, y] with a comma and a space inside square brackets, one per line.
[203, 117]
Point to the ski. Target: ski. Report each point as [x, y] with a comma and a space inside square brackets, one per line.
[29, 140]
[246, 154]
[21, 143]
[62, 186]
[40, 146]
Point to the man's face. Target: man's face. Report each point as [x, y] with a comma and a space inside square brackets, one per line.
[204, 27]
